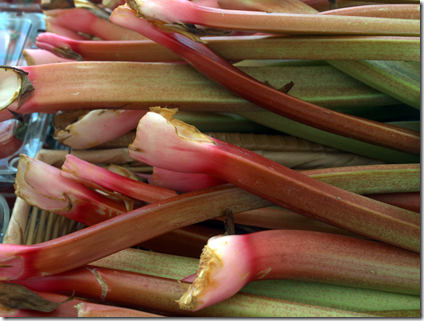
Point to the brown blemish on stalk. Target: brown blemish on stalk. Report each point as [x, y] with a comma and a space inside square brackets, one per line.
[263, 273]
[101, 282]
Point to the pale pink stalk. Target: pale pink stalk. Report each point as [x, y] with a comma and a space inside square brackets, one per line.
[171, 144]
[94, 310]
[231, 78]
[97, 241]
[186, 12]
[85, 133]
[230, 262]
[63, 31]
[82, 20]
[234, 48]
[41, 185]
[97, 177]
[42, 57]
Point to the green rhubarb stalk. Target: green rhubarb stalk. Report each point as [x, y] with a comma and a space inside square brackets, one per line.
[319, 136]
[329, 295]
[159, 294]
[234, 48]
[392, 78]
[174, 85]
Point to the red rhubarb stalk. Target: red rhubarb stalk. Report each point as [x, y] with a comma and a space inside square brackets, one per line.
[230, 262]
[159, 294]
[186, 12]
[174, 145]
[94, 310]
[95, 176]
[41, 185]
[64, 253]
[231, 78]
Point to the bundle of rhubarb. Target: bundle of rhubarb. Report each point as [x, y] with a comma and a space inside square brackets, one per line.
[227, 159]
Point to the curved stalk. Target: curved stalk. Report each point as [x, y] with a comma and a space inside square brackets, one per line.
[220, 71]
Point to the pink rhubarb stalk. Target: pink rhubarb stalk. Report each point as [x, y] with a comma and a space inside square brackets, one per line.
[171, 144]
[94, 310]
[64, 253]
[82, 20]
[231, 78]
[234, 48]
[85, 133]
[230, 262]
[100, 178]
[42, 57]
[41, 185]
[186, 12]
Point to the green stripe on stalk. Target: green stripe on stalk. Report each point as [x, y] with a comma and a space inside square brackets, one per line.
[395, 78]
[319, 136]
[334, 296]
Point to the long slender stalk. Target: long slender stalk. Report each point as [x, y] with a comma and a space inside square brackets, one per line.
[162, 141]
[185, 12]
[333, 296]
[219, 70]
[64, 253]
[42, 57]
[236, 48]
[297, 129]
[159, 294]
[394, 11]
[177, 85]
[41, 185]
[229, 262]
[410, 201]
[95, 176]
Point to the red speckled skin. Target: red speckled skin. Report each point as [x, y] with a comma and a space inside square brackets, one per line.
[334, 259]
[304, 195]
[260, 94]
[94, 242]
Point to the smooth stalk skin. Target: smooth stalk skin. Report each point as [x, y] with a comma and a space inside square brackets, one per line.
[297, 129]
[410, 201]
[371, 179]
[231, 78]
[95, 176]
[390, 77]
[171, 144]
[85, 133]
[229, 262]
[159, 294]
[393, 11]
[178, 85]
[94, 310]
[186, 12]
[64, 253]
[41, 185]
[82, 20]
[234, 48]
[66, 310]
[332, 296]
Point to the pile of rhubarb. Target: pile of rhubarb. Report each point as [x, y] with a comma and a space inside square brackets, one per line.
[227, 158]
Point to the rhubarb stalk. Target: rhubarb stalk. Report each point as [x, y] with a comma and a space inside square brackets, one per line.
[167, 143]
[228, 76]
[229, 262]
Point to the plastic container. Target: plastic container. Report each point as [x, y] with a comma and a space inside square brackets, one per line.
[4, 217]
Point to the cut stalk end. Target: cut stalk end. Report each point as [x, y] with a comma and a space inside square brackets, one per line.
[14, 85]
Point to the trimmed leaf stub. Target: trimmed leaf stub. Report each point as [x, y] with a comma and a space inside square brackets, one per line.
[15, 296]
[14, 85]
